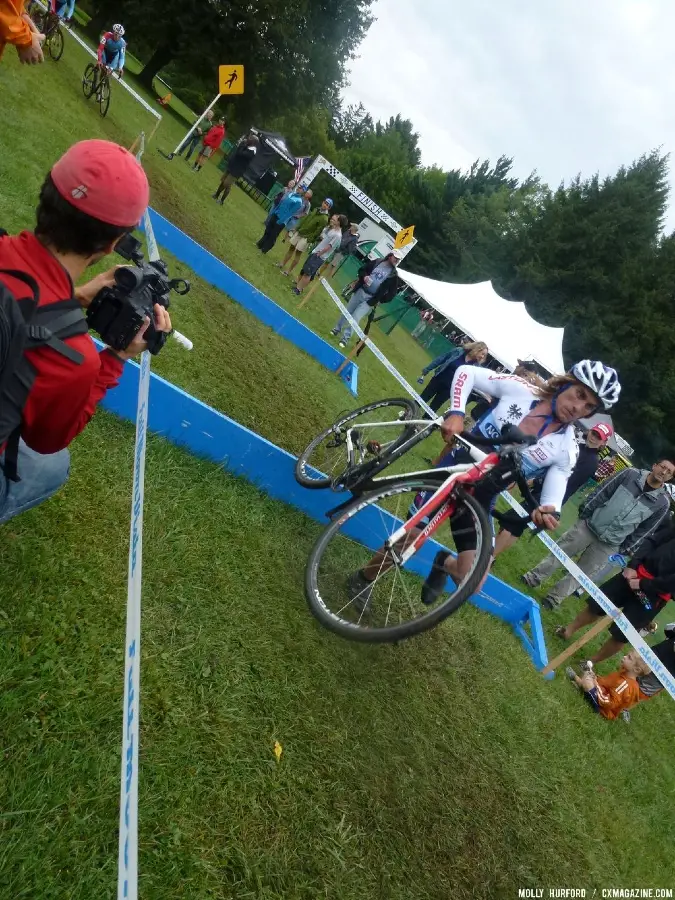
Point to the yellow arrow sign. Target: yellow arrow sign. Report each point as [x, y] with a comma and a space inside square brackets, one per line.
[231, 79]
[404, 237]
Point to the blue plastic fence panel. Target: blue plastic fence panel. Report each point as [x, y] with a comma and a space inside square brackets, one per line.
[213, 270]
[204, 431]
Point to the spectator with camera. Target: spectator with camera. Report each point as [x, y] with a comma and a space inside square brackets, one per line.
[52, 376]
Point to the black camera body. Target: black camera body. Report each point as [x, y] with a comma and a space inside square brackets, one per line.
[118, 313]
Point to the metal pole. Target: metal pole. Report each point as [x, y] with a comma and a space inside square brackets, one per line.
[180, 143]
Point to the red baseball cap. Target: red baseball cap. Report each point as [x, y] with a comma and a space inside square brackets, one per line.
[603, 430]
[104, 181]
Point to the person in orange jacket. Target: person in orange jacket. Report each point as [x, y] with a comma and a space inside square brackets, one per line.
[16, 27]
[612, 695]
[211, 141]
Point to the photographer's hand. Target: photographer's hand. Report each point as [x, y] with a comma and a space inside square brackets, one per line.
[86, 292]
[138, 345]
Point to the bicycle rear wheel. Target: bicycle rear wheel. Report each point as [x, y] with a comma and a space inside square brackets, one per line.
[392, 609]
[55, 43]
[324, 460]
[89, 80]
[104, 96]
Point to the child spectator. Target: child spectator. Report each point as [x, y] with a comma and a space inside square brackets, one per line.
[212, 140]
[611, 695]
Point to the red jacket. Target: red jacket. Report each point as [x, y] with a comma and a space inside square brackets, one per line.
[214, 136]
[64, 395]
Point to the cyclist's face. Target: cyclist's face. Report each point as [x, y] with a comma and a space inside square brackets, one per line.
[593, 440]
[577, 402]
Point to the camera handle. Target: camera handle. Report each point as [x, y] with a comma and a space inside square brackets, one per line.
[185, 342]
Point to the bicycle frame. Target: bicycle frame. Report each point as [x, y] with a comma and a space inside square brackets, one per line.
[375, 467]
[462, 474]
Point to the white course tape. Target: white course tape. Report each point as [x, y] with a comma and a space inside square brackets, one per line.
[127, 864]
[664, 676]
[127, 860]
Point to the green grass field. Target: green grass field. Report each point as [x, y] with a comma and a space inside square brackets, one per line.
[440, 768]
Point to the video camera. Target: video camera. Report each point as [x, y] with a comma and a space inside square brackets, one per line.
[118, 313]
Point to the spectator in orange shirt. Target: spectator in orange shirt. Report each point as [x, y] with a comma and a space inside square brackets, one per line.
[17, 28]
[610, 695]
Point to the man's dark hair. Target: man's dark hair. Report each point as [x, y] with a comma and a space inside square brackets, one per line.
[668, 459]
[67, 229]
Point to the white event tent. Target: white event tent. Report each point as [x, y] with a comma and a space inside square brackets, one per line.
[505, 326]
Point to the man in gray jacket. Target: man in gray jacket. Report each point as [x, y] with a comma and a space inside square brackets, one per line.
[616, 517]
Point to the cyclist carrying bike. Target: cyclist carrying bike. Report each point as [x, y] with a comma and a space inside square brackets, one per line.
[112, 50]
[547, 412]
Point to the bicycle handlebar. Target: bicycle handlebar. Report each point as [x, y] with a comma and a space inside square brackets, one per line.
[511, 434]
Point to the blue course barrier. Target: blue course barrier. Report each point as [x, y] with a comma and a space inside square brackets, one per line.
[187, 422]
[213, 270]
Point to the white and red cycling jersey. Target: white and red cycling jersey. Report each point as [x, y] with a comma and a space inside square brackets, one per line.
[553, 456]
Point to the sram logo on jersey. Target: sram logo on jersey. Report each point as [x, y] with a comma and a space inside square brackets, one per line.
[457, 390]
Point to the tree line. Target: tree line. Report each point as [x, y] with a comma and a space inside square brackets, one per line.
[589, 256]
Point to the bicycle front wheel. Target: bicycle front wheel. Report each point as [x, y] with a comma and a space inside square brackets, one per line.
[55, 43]
[104, 97]
[322, 462]
[89, 80]
[389, 607]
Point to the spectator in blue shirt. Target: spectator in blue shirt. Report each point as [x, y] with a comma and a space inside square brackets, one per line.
[288, 208]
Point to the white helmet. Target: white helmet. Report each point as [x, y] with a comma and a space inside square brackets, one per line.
[118, 29]
[601, 379]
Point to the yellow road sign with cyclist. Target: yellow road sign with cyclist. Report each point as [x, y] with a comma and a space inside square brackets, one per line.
[231, 79]
[404, 237]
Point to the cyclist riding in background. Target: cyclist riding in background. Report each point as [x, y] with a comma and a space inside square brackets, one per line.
[547, 412]
[112, 49]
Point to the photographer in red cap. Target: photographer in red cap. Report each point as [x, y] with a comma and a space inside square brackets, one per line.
[96, 193]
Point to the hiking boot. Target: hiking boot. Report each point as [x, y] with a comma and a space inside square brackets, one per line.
[550, 602]
[360, 590]
[434, 586]
[531, 580]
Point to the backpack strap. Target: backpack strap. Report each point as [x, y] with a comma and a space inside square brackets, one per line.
[68, 324]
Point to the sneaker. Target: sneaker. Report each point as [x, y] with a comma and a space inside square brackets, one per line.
[360, 590]
[222, 201]
[571, 674]
[296, 291]
[530, 579]
[170, 156]
[342, 344]
[214, 196]
[550, 602]
[334, 332]
[587, 666]
[434, 586]
[625, 715]
[560, 632]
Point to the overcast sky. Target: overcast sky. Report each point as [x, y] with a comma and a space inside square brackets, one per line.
[563, 87]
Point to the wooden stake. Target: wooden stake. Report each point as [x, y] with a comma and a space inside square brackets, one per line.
[348, 359]
[575, 645]
[152, 133]
[134, 146]
[309, 293]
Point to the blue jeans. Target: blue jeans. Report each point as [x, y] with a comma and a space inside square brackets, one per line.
[41, 476]
[358, 308]
[66, 10]
[190, 144]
